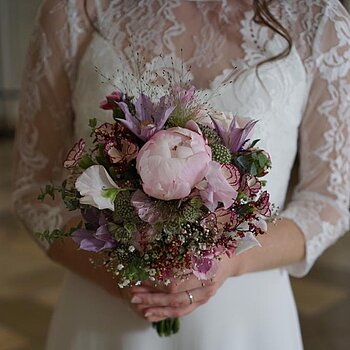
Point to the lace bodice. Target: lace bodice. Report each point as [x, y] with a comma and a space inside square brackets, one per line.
[302, 105]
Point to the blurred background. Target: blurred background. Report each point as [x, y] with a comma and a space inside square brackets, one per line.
[30, 283]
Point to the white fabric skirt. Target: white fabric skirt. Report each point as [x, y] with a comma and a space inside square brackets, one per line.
[254, 311]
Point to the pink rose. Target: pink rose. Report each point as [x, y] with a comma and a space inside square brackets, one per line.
[172, 162]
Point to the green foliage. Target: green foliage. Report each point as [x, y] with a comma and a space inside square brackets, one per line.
[119, 232]
[101, 157]
[135, 270]
[70, 196]
[86, 161]
[51, 236]
[92, 123]
[118, 114]
[171, 228]
[48, 191]
[254, 143]
[254, 162]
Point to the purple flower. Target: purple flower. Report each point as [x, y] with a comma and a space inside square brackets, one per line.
[234, 137]
[149, 118]
[184, 97]
[95, 241]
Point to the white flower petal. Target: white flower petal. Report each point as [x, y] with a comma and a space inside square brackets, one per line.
[249, 241]
[92, 184]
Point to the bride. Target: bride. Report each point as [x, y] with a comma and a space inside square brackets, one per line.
[289, 63]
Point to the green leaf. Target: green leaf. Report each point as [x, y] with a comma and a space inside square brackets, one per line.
[130, 227]
[118, 114]
[253, 169]
[196, 202]
[93, 123]
[262, 160]
[86, 162]
[254, 143]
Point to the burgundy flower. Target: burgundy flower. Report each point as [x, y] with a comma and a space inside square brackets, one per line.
[226, 220]
[123, 154]
[105, 132]
[250, 185]
[263, 204]
[111, 101]
[74, 154]
[232, 175]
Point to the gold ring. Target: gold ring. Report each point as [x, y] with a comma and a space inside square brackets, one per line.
[190, 296]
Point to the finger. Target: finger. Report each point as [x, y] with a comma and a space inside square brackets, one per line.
[142, 289]
[192, 282]
[158, 314]
[199, 295]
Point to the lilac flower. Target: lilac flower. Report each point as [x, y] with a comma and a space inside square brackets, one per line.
[149, 118]
[234, 137]
[184, 97]
[95, 241]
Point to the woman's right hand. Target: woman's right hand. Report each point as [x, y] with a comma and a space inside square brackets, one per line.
[67, 253]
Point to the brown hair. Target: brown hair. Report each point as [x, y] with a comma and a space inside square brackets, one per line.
[262, 16]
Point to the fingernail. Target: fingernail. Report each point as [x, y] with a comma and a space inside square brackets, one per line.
[136, 300]
[148, 314]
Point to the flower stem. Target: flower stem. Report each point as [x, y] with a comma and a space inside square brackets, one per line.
[167, 327]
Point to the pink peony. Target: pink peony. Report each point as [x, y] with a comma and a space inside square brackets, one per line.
[172, 162]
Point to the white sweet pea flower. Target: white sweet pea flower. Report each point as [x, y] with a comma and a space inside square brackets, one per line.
[249, 241]
[97, 188]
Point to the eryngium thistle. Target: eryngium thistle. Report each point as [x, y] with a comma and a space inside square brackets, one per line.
[210, 134]
[220, 154]
[190, 214]
[123, 209]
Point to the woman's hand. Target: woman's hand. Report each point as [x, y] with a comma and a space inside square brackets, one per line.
[66, 253]
[180, 297]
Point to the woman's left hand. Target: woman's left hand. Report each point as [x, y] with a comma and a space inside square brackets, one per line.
[180, 297]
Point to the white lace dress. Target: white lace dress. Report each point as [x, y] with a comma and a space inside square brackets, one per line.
[303, 107]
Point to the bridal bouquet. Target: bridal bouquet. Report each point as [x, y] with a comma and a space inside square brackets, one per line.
[168, 187]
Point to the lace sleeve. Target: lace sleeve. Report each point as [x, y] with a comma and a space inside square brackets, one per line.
[320, 204]
[45, 125]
